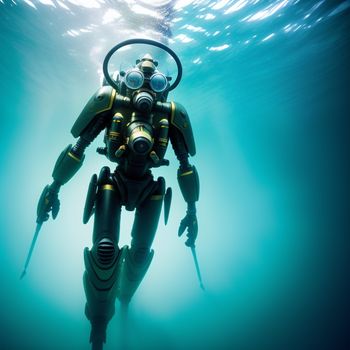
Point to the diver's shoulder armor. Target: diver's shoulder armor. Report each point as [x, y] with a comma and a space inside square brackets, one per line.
[100, 102]
[180, 119]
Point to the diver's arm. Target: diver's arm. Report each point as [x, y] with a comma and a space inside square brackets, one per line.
[89, 124]
[67, 165]
[183, 143]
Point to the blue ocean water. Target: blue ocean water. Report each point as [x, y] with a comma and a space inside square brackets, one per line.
[266, 84]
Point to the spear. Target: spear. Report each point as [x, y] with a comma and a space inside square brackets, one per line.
[194, 254]
[48, 201]
[36, 233]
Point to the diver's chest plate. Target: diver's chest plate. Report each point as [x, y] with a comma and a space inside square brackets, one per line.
[137, 140]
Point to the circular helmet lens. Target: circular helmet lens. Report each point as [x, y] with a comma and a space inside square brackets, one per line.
[158, 82]
[134, 79]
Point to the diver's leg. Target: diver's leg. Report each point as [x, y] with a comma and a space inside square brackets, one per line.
[102, 260]
[138, 257]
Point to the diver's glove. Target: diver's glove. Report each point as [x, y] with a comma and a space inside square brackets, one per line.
[190, 222]
[48, 202]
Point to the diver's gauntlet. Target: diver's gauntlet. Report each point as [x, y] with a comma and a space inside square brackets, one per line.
[67, 164]
[189, 184]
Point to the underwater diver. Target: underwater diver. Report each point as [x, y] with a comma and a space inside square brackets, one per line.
[132, 108]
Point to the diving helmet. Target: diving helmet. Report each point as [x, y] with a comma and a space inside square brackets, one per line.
[144, 84]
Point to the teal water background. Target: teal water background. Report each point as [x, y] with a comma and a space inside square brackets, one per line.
[266, 84]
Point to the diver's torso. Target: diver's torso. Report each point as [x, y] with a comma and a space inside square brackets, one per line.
[136, 141]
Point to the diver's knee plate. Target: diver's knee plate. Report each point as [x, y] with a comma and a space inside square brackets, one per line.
[130, 274]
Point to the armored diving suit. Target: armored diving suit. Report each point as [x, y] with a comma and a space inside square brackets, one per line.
[138, 123]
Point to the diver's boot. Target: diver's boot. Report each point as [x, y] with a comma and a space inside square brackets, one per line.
[100, 284]
[133, 268]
